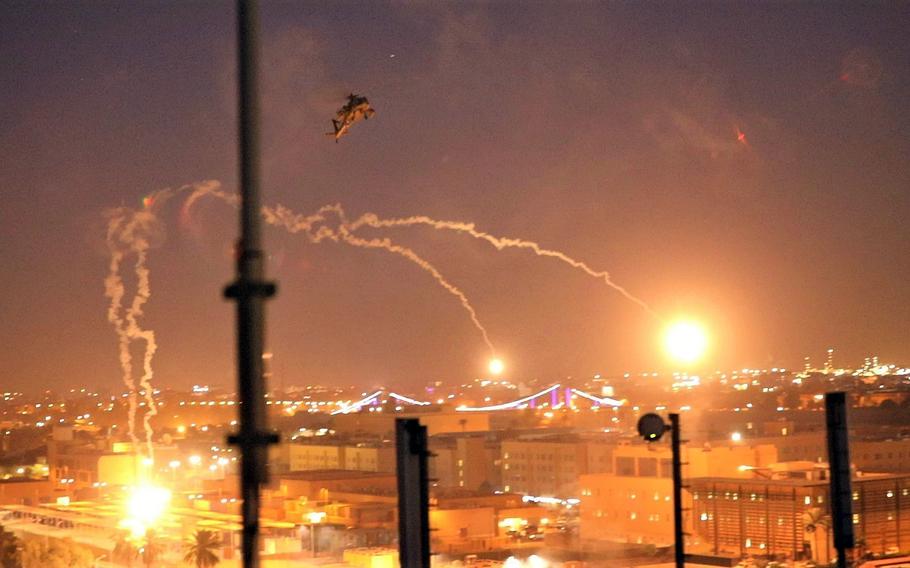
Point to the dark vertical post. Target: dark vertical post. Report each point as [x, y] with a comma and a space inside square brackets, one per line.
[678, 534]
[250, 289]
[897, 512]
[715, 520]
[413, 494]
[839, 462]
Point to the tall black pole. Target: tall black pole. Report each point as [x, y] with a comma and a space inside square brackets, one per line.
[413, 493]
[678, 534]
[839, 464]
[250, 289]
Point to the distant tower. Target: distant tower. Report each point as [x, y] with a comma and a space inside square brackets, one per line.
[807, 366]
[829, 362]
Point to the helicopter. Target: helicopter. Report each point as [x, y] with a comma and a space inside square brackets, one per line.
[356, 108]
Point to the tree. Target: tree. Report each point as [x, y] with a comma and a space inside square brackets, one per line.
[151, 550]
[125, 551]
[10, 550]
[201, 549]
[816, 519]
[55, 553]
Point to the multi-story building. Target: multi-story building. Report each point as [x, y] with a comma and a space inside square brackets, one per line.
[633, 501]
[867, 454]
[550, 466]
[466, 461]
[313, 457]
[786, 512]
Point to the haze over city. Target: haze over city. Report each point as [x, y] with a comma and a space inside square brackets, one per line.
[741, 166]
[559, 285]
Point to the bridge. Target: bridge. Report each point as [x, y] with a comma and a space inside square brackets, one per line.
[555, 395]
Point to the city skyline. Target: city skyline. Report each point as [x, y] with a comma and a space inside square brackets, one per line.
[736, 167]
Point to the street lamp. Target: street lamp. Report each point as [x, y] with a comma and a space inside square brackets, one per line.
[651, 427]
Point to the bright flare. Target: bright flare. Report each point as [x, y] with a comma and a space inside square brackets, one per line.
[685, 341]
[144, 507]
[496, 366]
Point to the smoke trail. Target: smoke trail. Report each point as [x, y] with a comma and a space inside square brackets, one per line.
[132, 232]
[113, 289]
[316, 227]
[373, 220]
[135, 331]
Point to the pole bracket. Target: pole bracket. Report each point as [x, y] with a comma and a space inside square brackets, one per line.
[254, 439]
[250, 289]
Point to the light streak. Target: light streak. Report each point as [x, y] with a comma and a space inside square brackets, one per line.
[357, 405]
[508, 405]
[605, 400]
[408, 400]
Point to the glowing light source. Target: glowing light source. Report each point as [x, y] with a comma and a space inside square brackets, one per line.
[736, 437]
[685, 341]
[316, 517]
[144, 507]
[496, 366]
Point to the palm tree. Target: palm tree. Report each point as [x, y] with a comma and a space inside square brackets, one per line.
[152, 550]
[125, 550]
[201, 549]
[10, 550]
[815, 519]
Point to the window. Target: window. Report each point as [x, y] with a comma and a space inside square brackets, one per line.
[647, 467]
[625, 466]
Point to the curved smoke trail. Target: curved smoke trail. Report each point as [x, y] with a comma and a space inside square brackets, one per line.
[317, 227]
[374, 221]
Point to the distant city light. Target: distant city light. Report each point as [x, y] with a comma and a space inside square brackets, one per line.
[736, 437]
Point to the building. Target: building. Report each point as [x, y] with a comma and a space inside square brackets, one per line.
[633, 501]
[314, 457]
[551, 466]
[24, 491]
[867, 454]
[467, 461]
[787, 512]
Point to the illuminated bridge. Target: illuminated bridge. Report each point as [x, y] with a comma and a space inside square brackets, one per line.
[556, 396]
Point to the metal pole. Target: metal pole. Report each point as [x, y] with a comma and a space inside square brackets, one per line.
[413, 494]
[839, 464]
[250, 290]
[678, 534]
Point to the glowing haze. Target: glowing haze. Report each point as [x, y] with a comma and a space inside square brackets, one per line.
[744, 165]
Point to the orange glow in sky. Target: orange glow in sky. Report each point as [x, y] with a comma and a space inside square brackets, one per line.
[685, 341]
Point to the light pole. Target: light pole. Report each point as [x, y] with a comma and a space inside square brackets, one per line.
[652, 427]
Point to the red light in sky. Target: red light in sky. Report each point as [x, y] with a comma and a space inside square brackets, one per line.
[741, 137]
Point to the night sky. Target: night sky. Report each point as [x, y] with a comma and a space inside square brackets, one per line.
[745, 165]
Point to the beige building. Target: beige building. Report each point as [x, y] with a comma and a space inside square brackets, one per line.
[551, 466]
[880, 456]
[468, 462]
[312, 457]
[634, 502]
